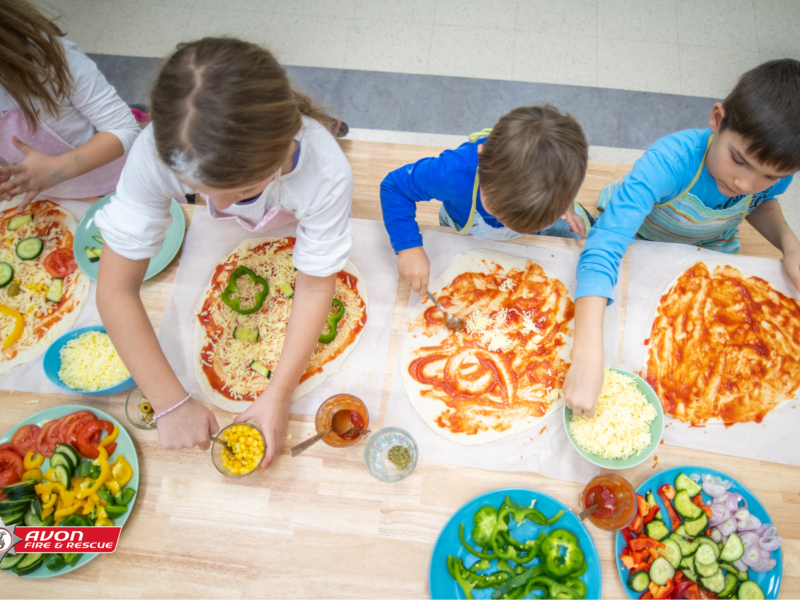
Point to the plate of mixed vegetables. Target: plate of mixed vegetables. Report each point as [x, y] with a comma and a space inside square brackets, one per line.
[699, 534]
[65, 466]
[514, 543]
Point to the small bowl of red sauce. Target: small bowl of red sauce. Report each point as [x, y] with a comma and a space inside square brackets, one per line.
[359, 419]
[616, 499]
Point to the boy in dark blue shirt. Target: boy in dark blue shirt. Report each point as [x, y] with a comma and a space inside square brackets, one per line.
[520, 177]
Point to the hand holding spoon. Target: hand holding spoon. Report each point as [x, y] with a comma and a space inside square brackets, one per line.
[340, 425]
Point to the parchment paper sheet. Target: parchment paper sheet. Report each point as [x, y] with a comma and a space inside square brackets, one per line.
[653, 266]
[30, 377]
[208, 242]
[544, 449]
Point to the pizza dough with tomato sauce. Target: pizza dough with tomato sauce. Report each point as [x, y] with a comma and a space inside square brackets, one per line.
[503, 374]
[44, 321]
[724, 346]
[223, 363]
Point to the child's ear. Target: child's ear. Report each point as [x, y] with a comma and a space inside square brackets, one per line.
[480, 148]
[717, 114]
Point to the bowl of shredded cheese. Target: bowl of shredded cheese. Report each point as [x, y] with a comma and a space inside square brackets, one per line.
[84, 360]
[627, 426]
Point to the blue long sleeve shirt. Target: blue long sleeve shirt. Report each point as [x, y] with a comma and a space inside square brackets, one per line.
[449, 177]
[662, 173]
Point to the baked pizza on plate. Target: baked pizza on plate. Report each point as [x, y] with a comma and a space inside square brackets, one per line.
[503, 373]
[42, 291]
[241, 324]
[724, 347]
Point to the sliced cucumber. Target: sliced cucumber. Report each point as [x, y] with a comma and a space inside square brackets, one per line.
[651, 500]
[63, 474]
[690, 573]
[730, 585]
[715, 583]
[90, 254]
[661, 571]
[9, 562]
[682, 482]
[638, 581]
[61, 460]
[696, 527]
[56, 291]
[687, 548]
[29, 563]
[707, 541]
[685, 507]
[6, 274]
[705, 570]
[733, 549]
[29, 248]
[286, 288]
[18, 221]
[98, 239]
[70, 453]
[258, 367]
[243, 334]
[98, 252]
[12, 506]
[656, 530]
[31, 520]
[672, 552]
[22, 489]
[681, 531]
[14, 518]
[705, 555]
[749, 590]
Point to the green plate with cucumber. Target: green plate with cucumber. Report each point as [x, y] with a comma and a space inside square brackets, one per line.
[66, 462]
[733, 553]
[88, 244]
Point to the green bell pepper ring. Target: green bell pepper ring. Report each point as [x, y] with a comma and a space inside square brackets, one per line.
[556, 590]
[469, 548]
[54, 562]
[556, 564]
[329, 333]
[485, 520]
[230, 295]
[502, 565]
[125, 496]
[577, 585]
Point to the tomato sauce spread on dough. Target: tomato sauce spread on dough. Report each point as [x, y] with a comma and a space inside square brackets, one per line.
[510, 368]
[724, 347]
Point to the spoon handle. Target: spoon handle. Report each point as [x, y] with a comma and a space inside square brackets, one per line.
[436, 302]
[307, 443]
[588, 511]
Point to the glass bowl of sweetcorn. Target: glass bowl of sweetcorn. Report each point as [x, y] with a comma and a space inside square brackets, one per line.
[238, 449]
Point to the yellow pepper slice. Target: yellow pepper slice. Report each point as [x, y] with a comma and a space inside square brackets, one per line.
[19, 326]
[68, 511]
[43, 489]
[87, 509]
[51, 502]
[101, 513]
[112, 486]
[32, 463]
[104, 522]
[50, 475]
[122, 471]
[105, 472]
[46, 512]
[35, 474]
[111, 437]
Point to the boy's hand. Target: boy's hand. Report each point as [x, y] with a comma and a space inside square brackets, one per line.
[36, 173]
[271, 412]
[415, 269]
[188, 426]
[582, 386]
[575, 222]
[791, 262]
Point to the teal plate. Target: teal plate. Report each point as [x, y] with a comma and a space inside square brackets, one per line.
[656, 430]
[124, 446]
[84, 236]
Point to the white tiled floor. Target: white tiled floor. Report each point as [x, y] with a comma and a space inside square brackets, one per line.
[691, 47]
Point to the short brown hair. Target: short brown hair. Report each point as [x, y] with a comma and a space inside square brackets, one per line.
[224, 112]
[764, 108]
[531, 167]
[34, 64]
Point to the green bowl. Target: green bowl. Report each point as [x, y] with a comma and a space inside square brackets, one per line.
[656, 431]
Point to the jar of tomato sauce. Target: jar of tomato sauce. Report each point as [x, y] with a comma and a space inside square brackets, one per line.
[616, 499]
[359, 419]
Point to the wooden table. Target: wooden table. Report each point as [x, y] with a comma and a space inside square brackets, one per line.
[318, 525]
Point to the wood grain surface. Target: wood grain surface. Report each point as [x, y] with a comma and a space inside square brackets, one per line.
[318, 526]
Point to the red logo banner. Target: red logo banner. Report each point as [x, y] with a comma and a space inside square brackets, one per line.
[67, 539]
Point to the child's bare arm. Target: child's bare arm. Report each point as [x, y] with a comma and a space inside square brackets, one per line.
[585, 377]
[768, 220]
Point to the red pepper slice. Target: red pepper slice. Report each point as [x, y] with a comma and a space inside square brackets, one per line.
[643, 543]
[651, 514]
[674, 518]
[88, 438]
[698, 501]
[665, 591]
[642, 505]
[646, 596]
[687, 589]
[626, 533]
[638, 523]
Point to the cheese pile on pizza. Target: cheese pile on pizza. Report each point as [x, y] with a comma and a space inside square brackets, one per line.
[42, 292]
[724, 347]
[502, 374]
[241, 324]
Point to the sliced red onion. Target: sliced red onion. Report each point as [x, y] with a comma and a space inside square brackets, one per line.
[716, 535]
[751, 523]
[770, 543]
[749, 540]
[727, 527]
[754, 556]
[742, 514]
[740, 565]
[767, 530]
[765, 566]
[732, 502]
[721, 499]
[716, 480]
[719, 514]
[714, 490]
[724, 540]
[695, 477]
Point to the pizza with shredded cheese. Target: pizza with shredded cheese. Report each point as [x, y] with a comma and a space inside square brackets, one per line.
[236, 353]
[503, 373]
[43, 292]
[724, 347]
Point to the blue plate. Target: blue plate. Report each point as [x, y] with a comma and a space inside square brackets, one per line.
[52, 364]
[443, 586]
[770, 582]
[125, 448]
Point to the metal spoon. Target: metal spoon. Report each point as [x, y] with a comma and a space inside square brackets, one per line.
[340, 424]
[223, 444]
[452, 322]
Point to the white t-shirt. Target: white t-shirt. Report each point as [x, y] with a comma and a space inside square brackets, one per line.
[91, 106]
[319, 191]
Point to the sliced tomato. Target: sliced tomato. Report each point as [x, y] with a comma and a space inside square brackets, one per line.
[24, 439]
[67, 422]
[5, 446]
[88, 438]
[48, 439]
[11, 467]
[77, 425]
[60, 263]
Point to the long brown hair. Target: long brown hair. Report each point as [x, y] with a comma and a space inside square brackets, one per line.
[33, 64]
[224, 112]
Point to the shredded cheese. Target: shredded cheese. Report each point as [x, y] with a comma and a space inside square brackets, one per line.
[493, 330]
[621, 425]
[508, 285]
[90, 363]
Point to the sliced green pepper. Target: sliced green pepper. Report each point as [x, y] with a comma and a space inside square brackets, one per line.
[54, 562]
[481, 565]
[455, 566]
[75, 521]
[72, 558]
[554, 563]
[502, 565]
[485, 520]
[469, 548]
[106, 495]
[524, 512]
[577, 585]
[517, 582]
[329, 333]
[555, 589]
[116, 511]
[230, 295]
[124, 497]
[84, 469]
